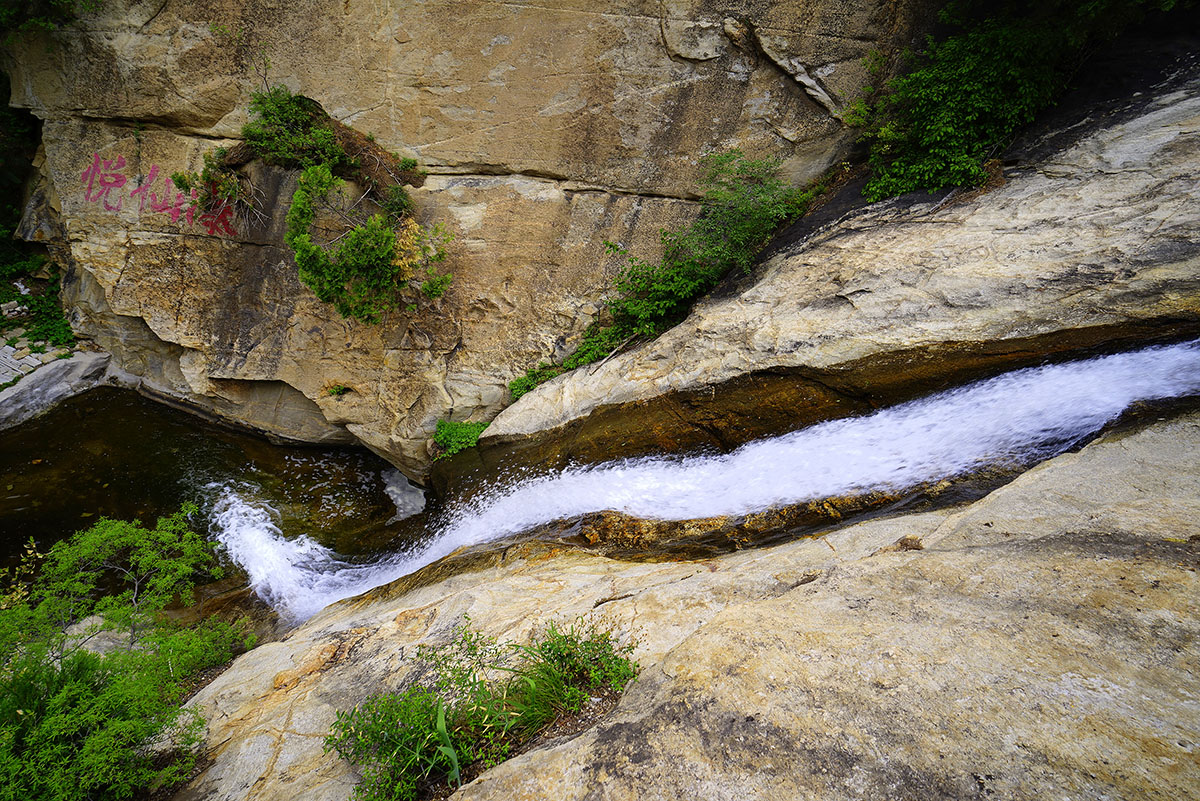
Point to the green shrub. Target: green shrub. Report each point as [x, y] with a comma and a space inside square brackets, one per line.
[744, 204]
[215, 185]
[291, 130]
[18, 16]
[75, 725]
[397, 203]
[452, 437]
[966, 96]
[436, 284]
[368, 270]
[44, 321]
[483, 699]
[533, 377]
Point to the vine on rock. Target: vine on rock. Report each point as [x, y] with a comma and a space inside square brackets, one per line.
[375, 265]
[367, 255]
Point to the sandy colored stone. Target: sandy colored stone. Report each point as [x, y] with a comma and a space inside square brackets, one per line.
[1040, 644]
[1094, 247]
[546, 130]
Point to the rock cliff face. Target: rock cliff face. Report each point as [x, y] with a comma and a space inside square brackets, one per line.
[1041, 643]
[545, 130]
[1096, 245]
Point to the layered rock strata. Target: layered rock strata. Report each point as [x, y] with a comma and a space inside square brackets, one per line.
[1094, 247]
[545, 130]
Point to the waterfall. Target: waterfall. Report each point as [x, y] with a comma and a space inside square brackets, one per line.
[1014, 419]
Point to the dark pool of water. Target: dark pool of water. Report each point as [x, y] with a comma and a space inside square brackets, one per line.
[113, 453]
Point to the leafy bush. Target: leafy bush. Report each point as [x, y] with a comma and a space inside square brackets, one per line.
[452, 437]
[368, 270]
[484, 699]
[966, 96]
[20, 261]
[533, 377]
[397, 203]
[291, 130]
[216, 186]
[43, 318]
[76, 725]
[744, 204]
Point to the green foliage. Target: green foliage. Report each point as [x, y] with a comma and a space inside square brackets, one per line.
[397, 203]
[482, 699]
[44, 320]
[75, 725]
[967, 95]
[433, 243]
[16, 580]
[291, 130]
[533, 377]
[216, 186]
[372, 264]
[453, 437]
[337, 390]
[744, 204]
[407, 163]
[20, 16]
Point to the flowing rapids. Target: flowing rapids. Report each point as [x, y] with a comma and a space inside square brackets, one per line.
[1015, 419]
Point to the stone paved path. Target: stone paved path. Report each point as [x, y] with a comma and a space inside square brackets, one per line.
[12, 366]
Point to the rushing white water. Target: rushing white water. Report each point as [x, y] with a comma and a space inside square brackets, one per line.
[1016, 418]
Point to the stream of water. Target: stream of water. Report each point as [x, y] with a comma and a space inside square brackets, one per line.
[1015, 419]
[113, 453]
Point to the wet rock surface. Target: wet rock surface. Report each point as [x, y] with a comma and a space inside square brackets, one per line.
[1039, 642]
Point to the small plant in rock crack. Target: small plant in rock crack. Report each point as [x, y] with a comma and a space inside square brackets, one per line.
[451, 437]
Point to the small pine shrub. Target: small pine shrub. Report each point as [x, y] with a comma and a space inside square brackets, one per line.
[216, 186]
[452, 437]
[291, 130]
[372, 264]
[397, 203]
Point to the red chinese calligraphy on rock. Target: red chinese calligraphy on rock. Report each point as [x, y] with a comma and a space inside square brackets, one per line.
[144, 195]
[102, 177]
[218, 220]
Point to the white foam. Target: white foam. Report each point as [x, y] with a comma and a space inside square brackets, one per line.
[1016, 418]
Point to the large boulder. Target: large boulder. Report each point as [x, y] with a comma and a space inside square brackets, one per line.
[545, 131]
[1037, 643]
